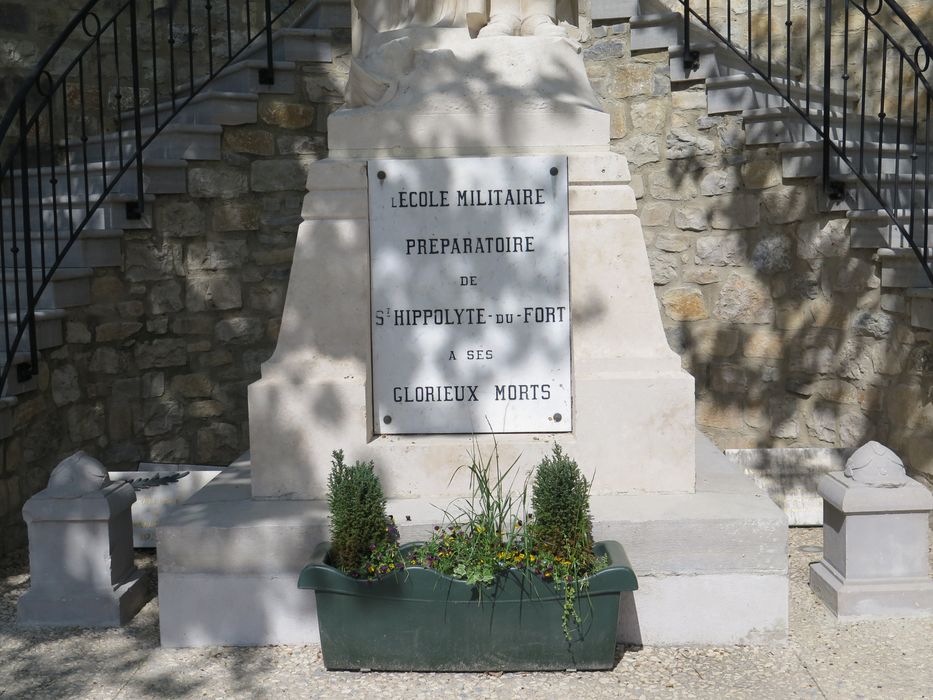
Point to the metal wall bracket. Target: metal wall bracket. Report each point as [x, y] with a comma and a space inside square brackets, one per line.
[835, 190]
[24, 372]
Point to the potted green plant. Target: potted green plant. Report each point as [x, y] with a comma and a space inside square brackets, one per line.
[494, 589]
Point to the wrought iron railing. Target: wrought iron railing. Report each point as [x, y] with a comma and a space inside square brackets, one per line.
[103, 92]
[864, 87]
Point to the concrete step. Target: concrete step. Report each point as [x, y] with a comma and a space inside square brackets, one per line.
[176, 141]
[873, 228]
[806, 159]
[160, 176]
[896, 192]
[731, 554]
[774, 125]
[737, 93]
[49, 329]
[52, 212]
[209, 107]
[298, 44]
[327, 14]
[69, 287]
[92, 248]
[716, 61]
[900, 269]
[921, 307]
[611, 11]
[244, 76]
[652, 32]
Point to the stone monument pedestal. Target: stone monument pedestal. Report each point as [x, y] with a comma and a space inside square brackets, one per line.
[526, 95]
[708, 548]
[875, 550]
[711, 565]
[633, 404]
[81, 565]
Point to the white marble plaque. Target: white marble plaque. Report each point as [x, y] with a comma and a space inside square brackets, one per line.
[470, 295]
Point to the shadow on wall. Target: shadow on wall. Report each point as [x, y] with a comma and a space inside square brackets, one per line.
[791, 339]
[793, 347]
[342, 275]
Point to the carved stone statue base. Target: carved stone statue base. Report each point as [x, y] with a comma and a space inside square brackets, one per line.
[524, 94]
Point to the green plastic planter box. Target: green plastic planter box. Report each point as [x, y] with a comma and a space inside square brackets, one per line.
[420, 620]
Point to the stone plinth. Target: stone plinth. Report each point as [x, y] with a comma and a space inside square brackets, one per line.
[633, 404]
[711, 565]
[82, 571]
[479, 97]
[875, 550]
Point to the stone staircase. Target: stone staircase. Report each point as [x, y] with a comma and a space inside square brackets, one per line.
[768, 120]
[195, 134]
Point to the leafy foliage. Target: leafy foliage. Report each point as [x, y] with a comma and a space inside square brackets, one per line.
[362, 537]
[562, 531]
[143, 483]
[484, 535]
[560, 499]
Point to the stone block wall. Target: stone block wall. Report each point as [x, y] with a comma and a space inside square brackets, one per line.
[791, 338]
[787, 330]
[156, 367]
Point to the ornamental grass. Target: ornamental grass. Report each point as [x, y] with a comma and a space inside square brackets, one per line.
[482, 536]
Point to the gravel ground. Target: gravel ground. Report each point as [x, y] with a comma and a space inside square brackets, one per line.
[821, 659]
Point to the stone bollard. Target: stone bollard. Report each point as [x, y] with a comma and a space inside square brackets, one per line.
[875, 540]
[81, 550]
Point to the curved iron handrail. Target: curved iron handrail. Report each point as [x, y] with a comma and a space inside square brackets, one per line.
[910, 125]
[49, 188]
[922, 40]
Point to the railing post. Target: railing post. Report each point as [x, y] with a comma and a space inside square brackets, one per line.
[23, 373]
[829, 186]
[135, 210]
[267, 74]
[691, 56]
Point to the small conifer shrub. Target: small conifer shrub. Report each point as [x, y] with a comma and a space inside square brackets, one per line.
[359, 526]
[562, 525]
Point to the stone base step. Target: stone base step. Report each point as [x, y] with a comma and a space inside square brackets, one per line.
[895, 192]
[921, 307]
[737, 93]
[69, 287]
[328, 14]
[783, 124]
[900, 269]
[806, 159]
[92, 248]
[110, 215]
[245, 76]
[653, 32]
[874, 228]
[716, 61]
[296, 44]
[49, 329]
[177, 141]
[699, 557]
[209, 107]
[611, 11]
[160, 176]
